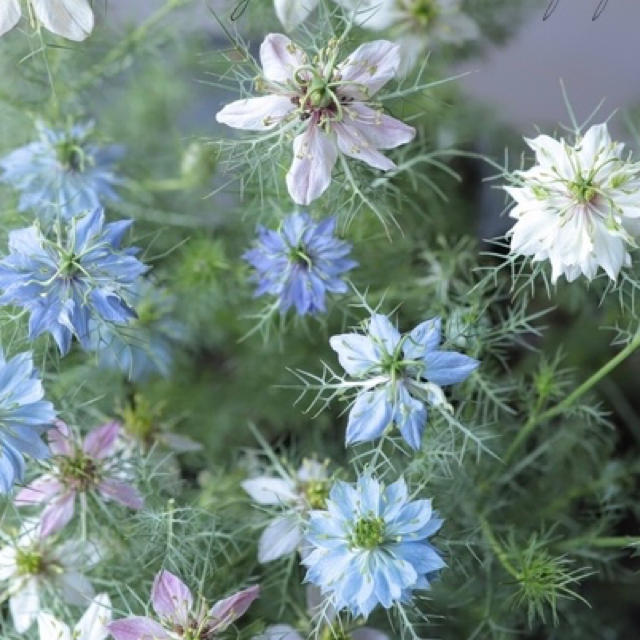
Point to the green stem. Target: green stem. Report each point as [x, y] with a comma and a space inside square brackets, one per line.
[610, 542]
[497, 549]
[536, 418]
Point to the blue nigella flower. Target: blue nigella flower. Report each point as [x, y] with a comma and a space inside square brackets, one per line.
[82, 275]
[145, 347]
[300, 263]
[370, 546]
[24, 416]
[400, 374]
[62, 172]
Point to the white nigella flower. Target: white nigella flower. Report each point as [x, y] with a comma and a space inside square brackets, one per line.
[31, 565]
[91, 626]
[327, 105]
[71, 19]
[416, 25]
[293, 12]
[307, 489]
[578, 206]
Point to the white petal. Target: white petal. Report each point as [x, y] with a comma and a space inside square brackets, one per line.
[255, 114]
[9, 15]
[292, 12]
[76, 588]
[369, 68]
[280, 538]
[314, 155]
[267, 490]
[92, 624]
[279, 632]
[7, 562]
[593, 144]
[280, 57]
[24, 605]
[50, 628]
[72, 19]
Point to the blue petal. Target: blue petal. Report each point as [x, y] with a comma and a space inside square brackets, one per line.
[370, 415]
[410, 416]
[423, 338]
[383, 333]
[448, 367]
[356, 353]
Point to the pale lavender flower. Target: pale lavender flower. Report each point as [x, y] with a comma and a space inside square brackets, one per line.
[79, 467]
[327, 105]
[179, 619]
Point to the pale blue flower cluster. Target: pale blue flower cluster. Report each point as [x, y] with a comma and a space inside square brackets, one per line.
[371, 545]
[24, 416]
[65, 283]
[300, 263]
[398, 376]
[62, 172]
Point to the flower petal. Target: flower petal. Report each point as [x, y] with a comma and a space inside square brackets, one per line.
[423, 338]
[57, 514]
[280, 538]
[9, 15]
[268, 490]
[93, 624]
[137, 628]
[279, 56]
[448, 367]
[370, 415]
[101, 441]
[50, 628]
[171, 598]
[255, 114]
[368, 69]
[279, 632]
[40, 490]
[230, 609]
[24, 605]
[357, 354]
[72, 19]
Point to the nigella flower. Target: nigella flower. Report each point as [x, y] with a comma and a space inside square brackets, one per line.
[79, 467]
[300, 263]
[295, 495]
[416, 25]
[371, 545]
[71, 19]
[32, 564]
[578, 206]
[179, 618]
[62, 172]
[397, 375]
[145, 348]
[67, 282]
[91, 626]
[327, 106]
[25, 415]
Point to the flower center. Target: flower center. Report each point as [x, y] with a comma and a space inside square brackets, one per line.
[299, 256]
[424, 11]
[29, 562]
[316, 493]
[80, 471]
[319, 94]
[583, 190]
[69, 267]
[368, 533]
[71, 155]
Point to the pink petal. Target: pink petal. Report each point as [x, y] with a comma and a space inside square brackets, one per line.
[60, 439]
[369, 68]
[137, 628]
[280, 58]
[40, 490]
[121, 492]
[171, 598]
[57, 514]
[256, 114]
[226, 611]
[100, 442]
[383, 131]
[314, 155]
[354, 144]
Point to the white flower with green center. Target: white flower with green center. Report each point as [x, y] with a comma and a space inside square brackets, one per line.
[578, 207]
[91, 626]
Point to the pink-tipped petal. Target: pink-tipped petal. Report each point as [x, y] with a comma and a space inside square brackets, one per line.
[256, 114]
[280, 57]
[40, 490]
[226, 611]
[368, 69]
[60, 439]
[314, 155]
[137, 628]
[100, 442]
[121, 492]
[57, 514]
[171, 598]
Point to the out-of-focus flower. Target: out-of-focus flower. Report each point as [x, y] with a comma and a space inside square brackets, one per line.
[291, 13]
[71, 19]
[31, 564]
[295, 495]
[63, 172]
[79, 467]
[327, 105]
[66, 283]
[370, 546]
[91, 626]
[179, 617]
[300, 263]
[416, 25]
[25, 416]
[578, 206]
[398, 376]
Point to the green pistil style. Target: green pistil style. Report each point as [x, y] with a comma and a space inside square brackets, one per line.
[71, 156]
[81, 471]
[29, 562]
[299, 256]
[583, 190]
[424, 11]
[316, 492]
[368, 533]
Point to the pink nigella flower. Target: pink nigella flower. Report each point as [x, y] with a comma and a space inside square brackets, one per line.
[77, 468]
[179, 618]
[326, 105]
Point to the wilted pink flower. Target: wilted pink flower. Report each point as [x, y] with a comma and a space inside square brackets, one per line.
[173, 603]
[78, 467]
[327, 105]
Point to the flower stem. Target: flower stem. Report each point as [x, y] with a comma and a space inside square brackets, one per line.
[537, 418]
[496, 548]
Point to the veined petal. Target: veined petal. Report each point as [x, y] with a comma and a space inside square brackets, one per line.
[57, 514]
[356, 352]
[51, 628]
[423, 338]
[227, 611]
[448, 367]
[101, 441]
[137, 628]
[279, 56]
[368, 69]
[370, 415]
[171, 598]
[280, 538]
[94, 621]
[72, 19]
[255, 114]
